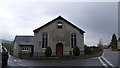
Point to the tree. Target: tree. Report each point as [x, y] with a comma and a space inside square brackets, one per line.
[8, 46]
[100, 44]
[114, 42]
[85, 46]
[87, 50]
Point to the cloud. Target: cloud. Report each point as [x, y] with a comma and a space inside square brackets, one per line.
[5, 14]
[97, 19]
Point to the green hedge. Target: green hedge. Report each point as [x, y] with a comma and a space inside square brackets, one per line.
[76, 51]
[115, 49]
[48, 52]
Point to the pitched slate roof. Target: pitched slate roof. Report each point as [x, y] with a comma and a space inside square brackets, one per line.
[59, 17]
[24, 40]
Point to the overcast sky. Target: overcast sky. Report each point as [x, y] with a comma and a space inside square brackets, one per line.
[99, 20]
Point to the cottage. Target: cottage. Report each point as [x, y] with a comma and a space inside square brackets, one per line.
[60, 34]
[23, 46]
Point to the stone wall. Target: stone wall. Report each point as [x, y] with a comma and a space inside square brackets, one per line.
[56, 35]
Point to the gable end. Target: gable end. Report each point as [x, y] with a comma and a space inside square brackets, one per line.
[36, 30]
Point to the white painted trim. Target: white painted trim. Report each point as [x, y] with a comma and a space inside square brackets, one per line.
[24, 50]
[102, 62]
[109, 62]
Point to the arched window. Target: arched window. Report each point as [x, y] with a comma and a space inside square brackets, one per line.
[59, 25]
[44, 40]
[73, 40]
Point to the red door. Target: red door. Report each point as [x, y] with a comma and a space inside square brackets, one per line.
[59, 49]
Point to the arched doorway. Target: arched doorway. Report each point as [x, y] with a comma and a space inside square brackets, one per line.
[59, 49]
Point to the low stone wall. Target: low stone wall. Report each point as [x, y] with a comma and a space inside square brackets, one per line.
[25, 55]
[54, 58]
[36, 54]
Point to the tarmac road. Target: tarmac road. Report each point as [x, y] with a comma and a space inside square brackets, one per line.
[105, 61]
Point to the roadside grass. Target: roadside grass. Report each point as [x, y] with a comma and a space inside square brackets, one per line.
[115, 49]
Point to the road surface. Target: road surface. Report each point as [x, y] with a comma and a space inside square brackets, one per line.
[108, 60]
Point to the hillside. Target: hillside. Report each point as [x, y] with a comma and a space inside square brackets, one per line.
[5, 41]
[7, 44]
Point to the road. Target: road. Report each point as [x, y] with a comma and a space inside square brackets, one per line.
[112, 56]
[108, 60]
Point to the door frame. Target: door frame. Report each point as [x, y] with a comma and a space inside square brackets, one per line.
[59, 52]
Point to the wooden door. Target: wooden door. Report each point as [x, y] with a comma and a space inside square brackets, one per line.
[59, 49]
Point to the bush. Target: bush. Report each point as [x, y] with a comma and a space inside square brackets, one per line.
[76, 51]
[48, 52]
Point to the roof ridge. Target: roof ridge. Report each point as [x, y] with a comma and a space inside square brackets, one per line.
[59, 17]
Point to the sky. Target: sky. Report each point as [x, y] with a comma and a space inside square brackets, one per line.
[99, 20]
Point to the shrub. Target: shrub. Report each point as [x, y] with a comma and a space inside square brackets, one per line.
[48, 52]
[76, 51]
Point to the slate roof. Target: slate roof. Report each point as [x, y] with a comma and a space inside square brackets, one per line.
[59, 17]
[24, 40]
